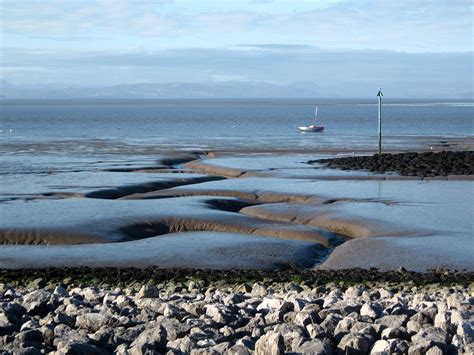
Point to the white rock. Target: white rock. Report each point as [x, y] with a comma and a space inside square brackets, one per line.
[370, 311]
[305, 318]
[354, 291]
[413, 327]
[316, 331]
[270, 344]
[442, 321]
[226, 331]
[435, 350]
[148, 291]
[455, 301]
[381, 347]
[258, 290]
[218, 313]
[330, 299]
[271, 303]
[90, 294]
[456, 317]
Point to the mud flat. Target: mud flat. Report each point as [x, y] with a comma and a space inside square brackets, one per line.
[227, 210]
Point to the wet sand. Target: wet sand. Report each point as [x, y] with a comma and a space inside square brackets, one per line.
[224, 210]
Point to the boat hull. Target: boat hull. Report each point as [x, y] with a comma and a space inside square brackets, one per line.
[311, 129]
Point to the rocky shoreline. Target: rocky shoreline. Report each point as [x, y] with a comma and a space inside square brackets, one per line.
[137, 311]
[110, 277]
[426, 164]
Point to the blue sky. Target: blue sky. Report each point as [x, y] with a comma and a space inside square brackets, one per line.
[109, 42]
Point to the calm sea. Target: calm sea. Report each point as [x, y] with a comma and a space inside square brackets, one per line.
[228, 123]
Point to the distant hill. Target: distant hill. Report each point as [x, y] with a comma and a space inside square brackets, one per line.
[205, 90]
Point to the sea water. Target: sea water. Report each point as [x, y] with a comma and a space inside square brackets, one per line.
[228, 123]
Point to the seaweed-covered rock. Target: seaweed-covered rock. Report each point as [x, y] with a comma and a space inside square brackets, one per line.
[409, 164]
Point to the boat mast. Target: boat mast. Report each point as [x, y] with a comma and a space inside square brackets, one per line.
[315, 116]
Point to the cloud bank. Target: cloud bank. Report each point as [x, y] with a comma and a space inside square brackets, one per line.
[343, 46]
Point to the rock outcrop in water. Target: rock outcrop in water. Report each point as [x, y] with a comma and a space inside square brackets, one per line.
[409, 164]
[200, 317]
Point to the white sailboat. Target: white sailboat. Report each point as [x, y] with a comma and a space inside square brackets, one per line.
[313, 127]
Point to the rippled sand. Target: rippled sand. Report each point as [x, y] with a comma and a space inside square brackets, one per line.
[227, 209]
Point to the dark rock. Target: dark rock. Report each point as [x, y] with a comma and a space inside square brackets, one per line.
[392, 321]
[353, 344]
[431, 336]
[30, 336]
[36, 302]
[151, 339]
[315, 346]
[92, 322]
[414, 164]
[74, 348]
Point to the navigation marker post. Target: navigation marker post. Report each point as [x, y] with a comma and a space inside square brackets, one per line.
[379, 96]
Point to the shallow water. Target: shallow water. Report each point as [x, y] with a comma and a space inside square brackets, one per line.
[230, 123]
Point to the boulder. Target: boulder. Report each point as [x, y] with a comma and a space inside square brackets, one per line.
[353, 344]
[343, 327]
[219, 313]
[91, 294]
[371, 310]
[92, 322]
[258, 290]
[431, 336]
[442, 320]
[148, 291]
[316, 331]
[7, 323]
[435, 350]
[331, 322]
[60, 291]
[398, 346]
[413, 327]
[465, 331]
[152, 339]
[354, 291]
[305, 318]
[392, 321]
[271, 343]
[36, 302]
[315, 346]
[395, 333]
[174, 328]
[381, 347]
[238, 349]
[77, 348]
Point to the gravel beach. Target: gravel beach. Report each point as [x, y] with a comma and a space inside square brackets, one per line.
[235, 312]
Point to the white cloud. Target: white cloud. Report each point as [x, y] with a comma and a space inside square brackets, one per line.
[407, 25]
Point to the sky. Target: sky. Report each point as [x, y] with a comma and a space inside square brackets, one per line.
[350, 44]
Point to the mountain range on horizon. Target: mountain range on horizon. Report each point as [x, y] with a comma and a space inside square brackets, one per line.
[203, 90]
